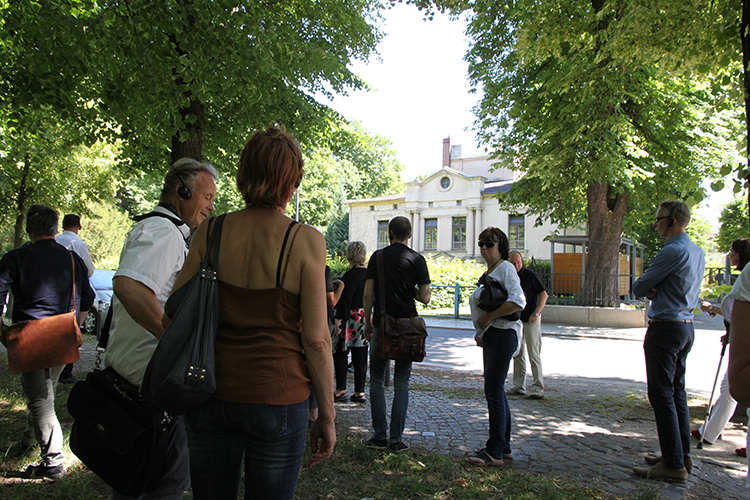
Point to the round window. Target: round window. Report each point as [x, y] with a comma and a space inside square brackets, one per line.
[445, 182]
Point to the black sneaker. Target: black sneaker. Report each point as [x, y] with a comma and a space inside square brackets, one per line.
[40, 471]
[70, 379]
[398, 447]
[376, 444]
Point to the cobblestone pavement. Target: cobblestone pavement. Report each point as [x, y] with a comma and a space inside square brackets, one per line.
[586, 429]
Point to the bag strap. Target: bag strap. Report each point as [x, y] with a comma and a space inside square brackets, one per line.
[381, 283]
[213, 242]
[279, 279]
[73, 263]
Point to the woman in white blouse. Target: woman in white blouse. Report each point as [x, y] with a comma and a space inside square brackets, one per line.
[499, 338]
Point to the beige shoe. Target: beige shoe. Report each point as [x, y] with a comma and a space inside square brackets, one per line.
[657, 459]
[515, 391]
[661, 471]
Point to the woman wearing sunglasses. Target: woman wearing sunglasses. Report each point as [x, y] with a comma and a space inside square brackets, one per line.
[499, 339]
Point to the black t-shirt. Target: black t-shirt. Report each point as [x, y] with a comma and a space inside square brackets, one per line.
[404, 269]
[354, 288]
[531, 288]
[329, 289]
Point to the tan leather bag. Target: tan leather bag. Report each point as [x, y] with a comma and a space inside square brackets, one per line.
[46, 342]
[43, 343]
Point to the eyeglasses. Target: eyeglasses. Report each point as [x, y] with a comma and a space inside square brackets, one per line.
[488, 244]
[660, 218]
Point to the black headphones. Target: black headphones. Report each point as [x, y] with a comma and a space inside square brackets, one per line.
[183, 191]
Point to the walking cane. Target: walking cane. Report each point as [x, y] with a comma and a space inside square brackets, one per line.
[724, 342]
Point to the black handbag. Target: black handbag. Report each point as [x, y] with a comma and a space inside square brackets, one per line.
[181, 374]
[117, 436]
[493, 295]
[401, 339]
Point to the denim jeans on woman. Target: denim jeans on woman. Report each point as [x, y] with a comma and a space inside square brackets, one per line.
[499, 346]
[401, 376]
[271, 439]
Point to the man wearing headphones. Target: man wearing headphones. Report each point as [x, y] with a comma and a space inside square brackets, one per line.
[151, 258]
[672, 282]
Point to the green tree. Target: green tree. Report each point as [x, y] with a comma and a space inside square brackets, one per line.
[573, 101]
[195, 77]
[734, 223]
[42, 161]
[104, 231]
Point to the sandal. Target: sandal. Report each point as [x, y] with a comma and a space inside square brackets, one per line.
[358, 399]
[341, 398]
[484, 459]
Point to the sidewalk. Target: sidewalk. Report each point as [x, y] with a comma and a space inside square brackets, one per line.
[586, 429]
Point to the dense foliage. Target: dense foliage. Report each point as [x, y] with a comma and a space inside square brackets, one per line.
[598, 100]
[734, 223]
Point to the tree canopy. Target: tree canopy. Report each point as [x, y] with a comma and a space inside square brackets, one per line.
[734, 223]
[606, 102]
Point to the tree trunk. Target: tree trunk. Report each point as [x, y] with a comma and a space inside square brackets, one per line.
[606, 213]
[191, 148]
[745, 38]
[192, 115]
[21, 203]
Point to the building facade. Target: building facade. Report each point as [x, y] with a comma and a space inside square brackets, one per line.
[450, 208]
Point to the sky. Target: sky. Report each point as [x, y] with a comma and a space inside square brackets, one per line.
[420, 90]
[421, 95]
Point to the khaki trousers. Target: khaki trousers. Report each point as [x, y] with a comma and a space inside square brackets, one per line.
[532, 342]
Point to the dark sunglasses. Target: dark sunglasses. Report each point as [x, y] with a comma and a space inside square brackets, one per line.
[488, 244]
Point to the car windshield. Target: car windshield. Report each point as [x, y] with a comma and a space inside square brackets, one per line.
[102, 279]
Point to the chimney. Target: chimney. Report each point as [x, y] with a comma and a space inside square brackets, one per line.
[447, 152]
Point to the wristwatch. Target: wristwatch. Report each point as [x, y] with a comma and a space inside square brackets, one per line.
[537, 314]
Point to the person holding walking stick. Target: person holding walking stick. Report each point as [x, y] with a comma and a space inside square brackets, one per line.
[709, 432]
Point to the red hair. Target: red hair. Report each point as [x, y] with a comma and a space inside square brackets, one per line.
[271, 166]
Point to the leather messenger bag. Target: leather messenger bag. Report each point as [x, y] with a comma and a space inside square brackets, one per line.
[46, 342]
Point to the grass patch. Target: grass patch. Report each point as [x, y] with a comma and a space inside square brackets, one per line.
[355, 472]
[449, 392]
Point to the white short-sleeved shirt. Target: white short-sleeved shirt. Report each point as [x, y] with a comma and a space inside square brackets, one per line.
[71, 241]
[153, 254]
[506, 274]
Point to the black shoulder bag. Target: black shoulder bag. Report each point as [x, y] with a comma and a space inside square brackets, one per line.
[493, 295]
[181, 374]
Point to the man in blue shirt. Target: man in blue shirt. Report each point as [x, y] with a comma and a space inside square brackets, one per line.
[672, 282]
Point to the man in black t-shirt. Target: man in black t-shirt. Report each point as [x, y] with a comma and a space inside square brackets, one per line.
[406, 279]
[531, 316]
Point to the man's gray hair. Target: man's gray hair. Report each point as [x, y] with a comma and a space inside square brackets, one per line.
[41, 220]
[678, 210]
[188, 169]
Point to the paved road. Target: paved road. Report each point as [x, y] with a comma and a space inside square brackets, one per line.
[594, 424]
[569, 351]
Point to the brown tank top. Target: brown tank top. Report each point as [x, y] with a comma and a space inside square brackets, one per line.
[259, 357]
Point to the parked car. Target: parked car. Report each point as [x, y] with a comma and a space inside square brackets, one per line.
[101, 282]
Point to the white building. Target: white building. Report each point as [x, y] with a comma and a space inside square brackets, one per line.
[450, 208]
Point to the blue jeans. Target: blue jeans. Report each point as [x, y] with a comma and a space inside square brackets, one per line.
[666, 347]
[271, 439]
[43, 423]
[499, 346]
[401, 376]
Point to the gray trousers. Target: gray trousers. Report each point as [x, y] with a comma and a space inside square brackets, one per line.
[532, 342]
[43, 423]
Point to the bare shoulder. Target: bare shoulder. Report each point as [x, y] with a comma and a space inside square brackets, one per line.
[310, 235]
